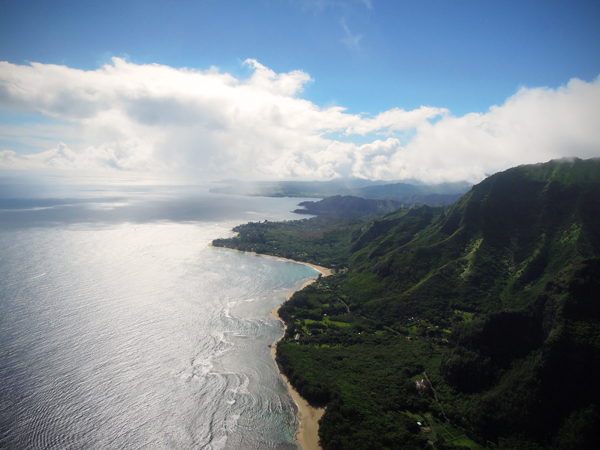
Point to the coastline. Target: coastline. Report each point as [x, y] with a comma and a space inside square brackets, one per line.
[324, 270]
[308, 416]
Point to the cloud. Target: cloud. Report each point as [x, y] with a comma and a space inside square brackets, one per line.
[125, 118]
[351, 41]
[342, 10]
[286, 84]
[533, 125]
[396, 120]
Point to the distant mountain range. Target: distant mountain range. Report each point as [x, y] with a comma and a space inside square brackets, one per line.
[408, 194]
[348, 206]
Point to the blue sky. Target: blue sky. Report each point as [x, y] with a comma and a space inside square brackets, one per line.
[368, 57]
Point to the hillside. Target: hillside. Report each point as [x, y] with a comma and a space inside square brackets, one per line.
[348, 206]
[495, 248]
[480, 320]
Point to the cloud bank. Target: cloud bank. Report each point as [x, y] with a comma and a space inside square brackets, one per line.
[125, 118]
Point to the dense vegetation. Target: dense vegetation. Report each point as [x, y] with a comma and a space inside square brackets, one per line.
[324, 241]
[480, 320]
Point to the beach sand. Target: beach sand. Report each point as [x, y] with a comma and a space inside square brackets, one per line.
[308, 435]
[309, 416]
[324, 270]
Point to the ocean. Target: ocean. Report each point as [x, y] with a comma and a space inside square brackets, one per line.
[120, 328]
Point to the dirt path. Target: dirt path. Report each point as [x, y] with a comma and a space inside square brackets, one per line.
[436, 397]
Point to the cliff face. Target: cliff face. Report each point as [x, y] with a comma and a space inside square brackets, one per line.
[496, 248]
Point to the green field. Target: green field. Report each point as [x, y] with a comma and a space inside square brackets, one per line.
[435, 430]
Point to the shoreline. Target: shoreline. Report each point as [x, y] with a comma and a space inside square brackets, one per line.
[308, 416]
[324, 270]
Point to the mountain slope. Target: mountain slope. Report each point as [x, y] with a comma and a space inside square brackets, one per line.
[536, 368]
[348, 206]
[480, 320]
[495, 248]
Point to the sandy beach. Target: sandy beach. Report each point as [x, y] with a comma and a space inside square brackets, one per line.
[309, 417]
[324, 270]
[308, 435]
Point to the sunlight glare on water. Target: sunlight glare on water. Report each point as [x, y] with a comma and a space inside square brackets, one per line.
[126, 334]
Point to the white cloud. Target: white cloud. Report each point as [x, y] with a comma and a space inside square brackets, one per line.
[396, 120]
[153, 119]
[285, 84]
[533, 125]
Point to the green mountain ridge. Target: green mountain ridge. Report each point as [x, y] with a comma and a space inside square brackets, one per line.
[494, 302]
[499, 244]
[348, 206]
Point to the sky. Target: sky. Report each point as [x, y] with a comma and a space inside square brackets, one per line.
[194, 91]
